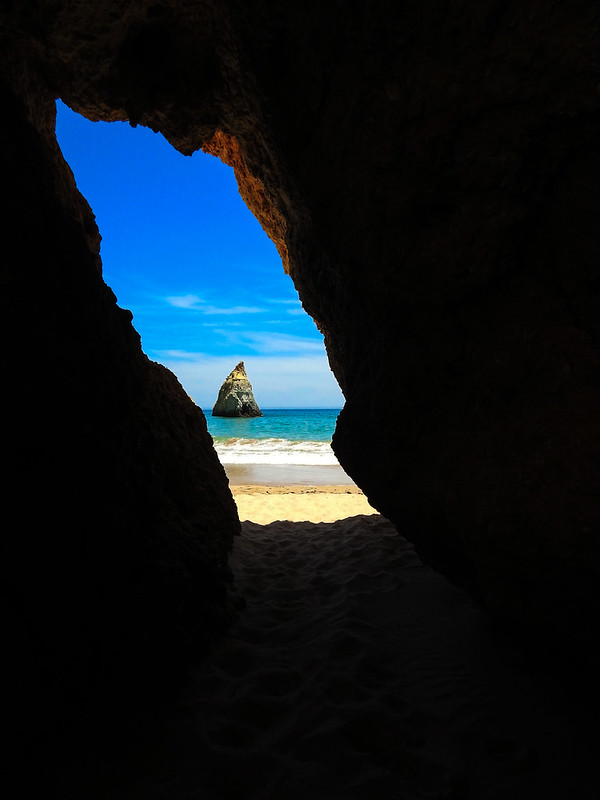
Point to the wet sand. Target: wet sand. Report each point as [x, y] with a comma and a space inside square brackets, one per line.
[286, 475]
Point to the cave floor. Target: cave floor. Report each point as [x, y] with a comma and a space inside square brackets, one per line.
[354, 671]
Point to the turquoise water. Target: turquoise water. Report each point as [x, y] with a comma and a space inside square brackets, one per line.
[280, 436]
[312, 424]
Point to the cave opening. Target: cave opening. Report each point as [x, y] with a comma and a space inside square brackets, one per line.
[207, 288]
[461, 241]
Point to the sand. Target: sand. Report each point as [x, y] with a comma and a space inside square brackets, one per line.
[354, 671]
[286, 475]
[317, 503]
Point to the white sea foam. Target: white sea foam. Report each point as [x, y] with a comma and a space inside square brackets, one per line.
[275, 451]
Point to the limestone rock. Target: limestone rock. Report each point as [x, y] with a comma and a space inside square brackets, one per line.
[236, 398]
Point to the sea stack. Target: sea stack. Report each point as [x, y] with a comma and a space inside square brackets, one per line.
[235, 396]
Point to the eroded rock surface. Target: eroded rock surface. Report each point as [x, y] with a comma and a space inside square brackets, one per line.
[236, 398]
[429, 173]
[118, 519]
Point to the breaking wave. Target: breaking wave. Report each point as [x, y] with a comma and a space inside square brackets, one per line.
[274, 451]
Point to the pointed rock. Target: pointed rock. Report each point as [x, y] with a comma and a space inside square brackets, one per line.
[235, 396]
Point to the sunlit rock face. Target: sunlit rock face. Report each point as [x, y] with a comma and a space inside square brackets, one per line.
[236, 398]
[429, 174]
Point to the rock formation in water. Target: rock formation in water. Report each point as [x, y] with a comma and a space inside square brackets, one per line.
[236, 398]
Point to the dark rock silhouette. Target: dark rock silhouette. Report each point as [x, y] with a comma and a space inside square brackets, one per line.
[431, 182]
[236, 398]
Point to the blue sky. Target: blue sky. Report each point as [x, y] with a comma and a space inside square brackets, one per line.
[181, 250]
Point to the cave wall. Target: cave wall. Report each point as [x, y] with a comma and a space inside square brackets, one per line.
[446, 159]
[429, 173]
[117, 514]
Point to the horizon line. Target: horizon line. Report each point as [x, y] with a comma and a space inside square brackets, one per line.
[284, 408]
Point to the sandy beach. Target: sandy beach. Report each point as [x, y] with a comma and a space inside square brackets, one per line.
[354, 671]
[297, 475]
[317, 503]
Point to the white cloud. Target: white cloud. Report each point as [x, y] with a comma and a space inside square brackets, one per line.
[265, 342]
[195, 303]
[285, 301]
[282, 343]
[232, 310]
[184, 301]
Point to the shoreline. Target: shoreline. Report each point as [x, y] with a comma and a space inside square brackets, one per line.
[253, 488]
[267, 493]
[286, 475]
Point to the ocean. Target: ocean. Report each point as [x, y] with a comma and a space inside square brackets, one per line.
[284, 446]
